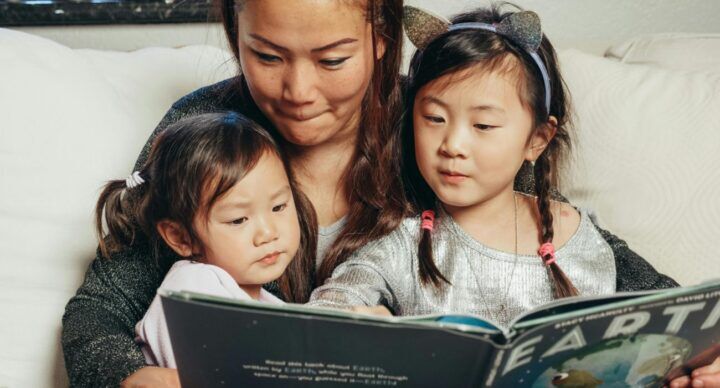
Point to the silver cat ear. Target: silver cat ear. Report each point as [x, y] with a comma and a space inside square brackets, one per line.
[522, 28]
[421, 27]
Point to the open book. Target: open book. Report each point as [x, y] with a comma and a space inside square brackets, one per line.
[626, 339]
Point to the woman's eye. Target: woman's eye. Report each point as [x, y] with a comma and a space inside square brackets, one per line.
[334, 62]
[434, 119]
[279, 208]
[484, 127]
[239, 221]
[267, 57]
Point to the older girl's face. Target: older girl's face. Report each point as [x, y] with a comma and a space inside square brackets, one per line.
[472, 134]
[308, 64]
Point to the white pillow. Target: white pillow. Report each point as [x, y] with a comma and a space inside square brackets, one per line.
[680, 51]
[69, 121]
[648, 159]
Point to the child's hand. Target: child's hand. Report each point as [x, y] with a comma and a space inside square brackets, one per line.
[375, 310]
[152, 376]
[707, 377]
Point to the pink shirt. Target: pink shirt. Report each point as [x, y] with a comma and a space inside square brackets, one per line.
[152, 332]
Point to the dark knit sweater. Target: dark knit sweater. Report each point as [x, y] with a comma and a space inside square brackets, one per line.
[99, 321]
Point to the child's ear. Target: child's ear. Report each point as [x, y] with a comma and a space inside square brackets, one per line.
[540, 139]
[176, 237]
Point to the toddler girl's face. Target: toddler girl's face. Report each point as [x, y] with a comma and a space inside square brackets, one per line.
[471, 135]
[252, 231]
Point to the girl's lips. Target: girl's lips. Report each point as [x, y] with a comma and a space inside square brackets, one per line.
[452, 177]
[270, 259]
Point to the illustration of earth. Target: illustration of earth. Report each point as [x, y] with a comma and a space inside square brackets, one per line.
[635, 361]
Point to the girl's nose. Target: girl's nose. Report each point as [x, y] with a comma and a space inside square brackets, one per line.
[266, 232]
[454, 144]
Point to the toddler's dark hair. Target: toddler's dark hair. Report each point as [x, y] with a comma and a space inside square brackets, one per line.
[191, 165]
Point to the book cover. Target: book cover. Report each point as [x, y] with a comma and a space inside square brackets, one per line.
[621, 340]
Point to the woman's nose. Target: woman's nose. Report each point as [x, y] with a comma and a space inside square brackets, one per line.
[299, 83]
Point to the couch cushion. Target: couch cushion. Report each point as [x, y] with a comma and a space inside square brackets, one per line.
[69, 120]
[680, 51]
[647, 159]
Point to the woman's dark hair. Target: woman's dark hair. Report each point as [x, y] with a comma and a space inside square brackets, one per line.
[459, 50]
[375, 193]
[202, 154]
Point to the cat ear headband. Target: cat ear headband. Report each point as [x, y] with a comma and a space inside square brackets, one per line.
[522, 28]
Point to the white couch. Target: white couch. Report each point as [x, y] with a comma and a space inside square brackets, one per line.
[647, 163]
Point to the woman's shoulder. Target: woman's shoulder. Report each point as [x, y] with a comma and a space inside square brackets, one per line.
[223, 95]
[219, 97]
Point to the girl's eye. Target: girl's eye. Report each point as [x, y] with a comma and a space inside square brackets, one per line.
[484, 127]
[239, 221]
[279, 208]
[434, 119]
[334, 62]
[267, 57]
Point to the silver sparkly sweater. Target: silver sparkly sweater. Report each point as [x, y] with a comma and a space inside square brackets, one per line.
[98, 324]
[485, 282]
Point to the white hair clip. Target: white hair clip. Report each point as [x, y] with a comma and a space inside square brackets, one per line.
[134, 180]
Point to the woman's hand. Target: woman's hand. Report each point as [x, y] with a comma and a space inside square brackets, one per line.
[707, 377]
[152, 377]
[375, 310]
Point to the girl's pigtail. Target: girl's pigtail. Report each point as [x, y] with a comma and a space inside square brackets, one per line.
[117, 208]
[562, 285]
[429, 272]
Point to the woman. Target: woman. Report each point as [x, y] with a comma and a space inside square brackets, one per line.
[323, 77]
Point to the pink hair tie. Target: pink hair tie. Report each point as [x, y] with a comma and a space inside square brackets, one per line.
[547, 253]
[428, 219]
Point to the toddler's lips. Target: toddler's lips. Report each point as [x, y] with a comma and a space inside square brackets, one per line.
[270, 258]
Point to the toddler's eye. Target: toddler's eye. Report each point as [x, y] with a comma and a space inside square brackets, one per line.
[484, 127]
[279, 208]
[434, 119]
[239, 221]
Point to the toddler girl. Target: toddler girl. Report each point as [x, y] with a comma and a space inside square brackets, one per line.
[216, 192]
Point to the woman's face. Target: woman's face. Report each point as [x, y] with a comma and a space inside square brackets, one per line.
[308, 64]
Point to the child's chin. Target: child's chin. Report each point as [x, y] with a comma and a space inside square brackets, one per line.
[456, 200]
[269, 273]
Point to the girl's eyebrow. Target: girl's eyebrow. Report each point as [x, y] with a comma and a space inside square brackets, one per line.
[488, 107]
[433, 100]
[318, 49]
[482, 107]
[234, 205]
[280, 192]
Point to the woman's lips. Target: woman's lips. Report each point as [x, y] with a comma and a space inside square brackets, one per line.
[300, 116]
